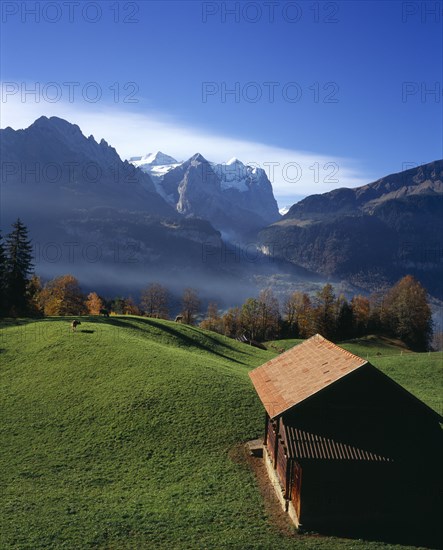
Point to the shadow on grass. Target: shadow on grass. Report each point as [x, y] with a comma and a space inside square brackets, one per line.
[165, 326]
[235, 350]
[377, 342]
[7, 322]
[182, 338]
[154, 323]
[423, 532]
[416, 523]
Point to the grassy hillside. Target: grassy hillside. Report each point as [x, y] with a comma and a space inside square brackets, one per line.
[118, 436]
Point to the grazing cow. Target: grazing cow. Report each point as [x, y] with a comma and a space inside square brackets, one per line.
[104, 312]
[179, 319]
[74, 325]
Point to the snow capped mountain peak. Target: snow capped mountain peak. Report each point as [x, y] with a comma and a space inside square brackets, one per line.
[156, 165]
[232, 190]
[233, 175]
[234, 160]
[157, 159]
[284, 210]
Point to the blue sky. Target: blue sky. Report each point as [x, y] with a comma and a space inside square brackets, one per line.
[357, 86]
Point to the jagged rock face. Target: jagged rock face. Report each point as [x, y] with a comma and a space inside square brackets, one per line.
[52, 157]
[56, 141]
[112, 231]
[249, 188]
[380, 231]
[103, 220]
[198, 190]
[235, 198]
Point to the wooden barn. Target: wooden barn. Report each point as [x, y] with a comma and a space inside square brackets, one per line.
[346, 446]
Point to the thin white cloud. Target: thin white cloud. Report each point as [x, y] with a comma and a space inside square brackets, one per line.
[293, 173]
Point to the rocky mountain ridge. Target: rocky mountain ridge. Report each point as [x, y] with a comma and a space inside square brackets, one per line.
[368, 235]
[100, 218]
[235, 197]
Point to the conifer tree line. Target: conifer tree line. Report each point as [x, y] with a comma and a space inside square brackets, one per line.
[402, 311]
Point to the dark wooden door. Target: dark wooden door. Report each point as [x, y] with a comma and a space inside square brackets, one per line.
[296, 488]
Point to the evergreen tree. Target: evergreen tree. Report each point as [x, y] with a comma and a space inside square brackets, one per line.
[18, 267]
[344, 319]
[118, 305]
[33, 294]
[3, 306]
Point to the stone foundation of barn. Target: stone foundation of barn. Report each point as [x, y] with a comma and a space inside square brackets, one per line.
[287, 505]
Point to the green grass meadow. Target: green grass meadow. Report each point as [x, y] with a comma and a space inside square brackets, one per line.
[119, 435]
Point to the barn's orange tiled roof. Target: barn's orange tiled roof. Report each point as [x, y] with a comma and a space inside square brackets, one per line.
[301, 372]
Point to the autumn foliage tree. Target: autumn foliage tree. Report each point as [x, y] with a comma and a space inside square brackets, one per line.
[190, 306]
[155, 301]
[406, 313]
[130, 307]
[269, 315]
[62, 296]
[123, 306]
[305, 317]
[290, 314]
[299, 315]
[361, 310]
[250, 318]
[324, 313]
[213, 321]
[231, 324]
[94, 303]
[402, 311]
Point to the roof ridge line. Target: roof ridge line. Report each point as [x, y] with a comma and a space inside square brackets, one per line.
[282, 381]
[343, 350]
[318, 336]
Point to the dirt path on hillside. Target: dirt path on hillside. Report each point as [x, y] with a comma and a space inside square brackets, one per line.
[277, 518]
